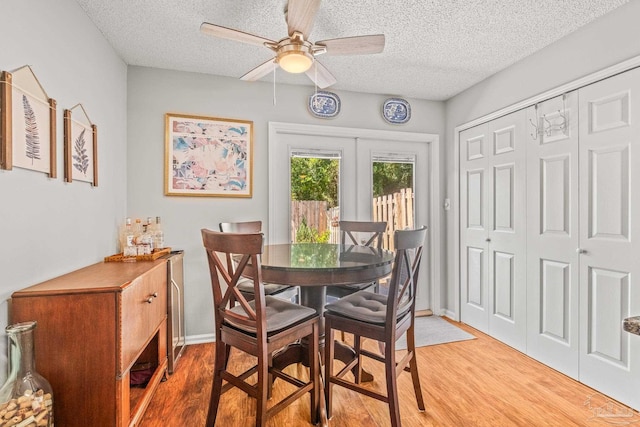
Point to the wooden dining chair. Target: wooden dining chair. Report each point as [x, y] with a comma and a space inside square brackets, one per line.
[350, 233]
[245, 286]
[258, 327]
[384, 318]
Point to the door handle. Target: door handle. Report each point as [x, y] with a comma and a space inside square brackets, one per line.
[180, 331]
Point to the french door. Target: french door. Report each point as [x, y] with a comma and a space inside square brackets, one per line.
[357, 153]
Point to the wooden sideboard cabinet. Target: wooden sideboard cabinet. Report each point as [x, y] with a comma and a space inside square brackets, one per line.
[95, 325]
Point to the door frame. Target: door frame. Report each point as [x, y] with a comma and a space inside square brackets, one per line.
[453, 250]
[433, 141]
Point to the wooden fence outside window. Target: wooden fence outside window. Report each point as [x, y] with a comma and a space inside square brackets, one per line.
[396, 209]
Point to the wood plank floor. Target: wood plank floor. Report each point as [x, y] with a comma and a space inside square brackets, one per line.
[480, 382]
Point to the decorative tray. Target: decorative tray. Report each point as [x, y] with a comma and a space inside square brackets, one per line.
[151, 257]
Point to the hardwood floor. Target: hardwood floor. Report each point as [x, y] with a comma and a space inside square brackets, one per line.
[480, 382]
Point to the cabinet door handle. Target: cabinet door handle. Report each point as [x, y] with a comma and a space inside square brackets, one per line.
[155, 295]
[177, 288]
[488, 239]
[149, 300]
[581, 251]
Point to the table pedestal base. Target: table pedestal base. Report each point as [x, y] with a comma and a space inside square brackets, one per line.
[314, 297]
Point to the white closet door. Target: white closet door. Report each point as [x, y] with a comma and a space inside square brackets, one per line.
[474, 231]
[507, 229]
[609, 233]
[492, 228]
[552, 234]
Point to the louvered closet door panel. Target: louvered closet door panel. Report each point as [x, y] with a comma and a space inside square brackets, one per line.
[609, 235]
[506, 173]
[474, 292]
[552, 234]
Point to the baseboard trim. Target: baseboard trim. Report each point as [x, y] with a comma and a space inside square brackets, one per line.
[451, 315]
[199, 339]
[422, 313]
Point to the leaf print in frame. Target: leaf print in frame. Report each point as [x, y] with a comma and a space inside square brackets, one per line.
[80, 158]
[80, 145]
[32, 140]
[30, 132]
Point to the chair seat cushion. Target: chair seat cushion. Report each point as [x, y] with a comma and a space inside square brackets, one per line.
[365, 306]
[280, 314]
[246, 286]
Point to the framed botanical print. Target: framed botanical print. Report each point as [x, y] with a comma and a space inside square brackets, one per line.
[80, 146]
[27, 123]
[208, 156]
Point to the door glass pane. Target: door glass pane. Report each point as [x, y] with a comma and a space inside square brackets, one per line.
[393, 194]
[315, 209]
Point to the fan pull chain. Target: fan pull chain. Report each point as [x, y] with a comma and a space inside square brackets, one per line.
[274, 86]
[315, 84]
[315, 78]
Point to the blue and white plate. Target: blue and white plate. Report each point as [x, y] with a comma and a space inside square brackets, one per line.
[396, 110]
[324, 104]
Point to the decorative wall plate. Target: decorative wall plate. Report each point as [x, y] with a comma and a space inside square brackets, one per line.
[396, 110]
[324, 104]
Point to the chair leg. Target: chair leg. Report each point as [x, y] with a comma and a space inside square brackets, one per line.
[262, 389]
[392, 385]
[357, 347]
[219, 364]
[413, 365]
[269, 376]
[328, 363]
[314, 375]
[227, 353]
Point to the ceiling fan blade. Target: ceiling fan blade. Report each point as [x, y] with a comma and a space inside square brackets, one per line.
[300, 16]
[358, 45]
[260, 71]
[320, 75]
[231, 34]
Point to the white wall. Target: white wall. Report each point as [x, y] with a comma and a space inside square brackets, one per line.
[48, 227]
[154, 92]
[607, 41]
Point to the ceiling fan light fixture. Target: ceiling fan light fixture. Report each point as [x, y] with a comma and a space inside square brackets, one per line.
[294, 61]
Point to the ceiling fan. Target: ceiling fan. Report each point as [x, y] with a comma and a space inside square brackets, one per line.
[295, 53]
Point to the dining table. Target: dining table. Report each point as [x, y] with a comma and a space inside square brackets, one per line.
[314, 266]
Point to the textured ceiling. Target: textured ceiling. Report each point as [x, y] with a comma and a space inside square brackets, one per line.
[434, 48]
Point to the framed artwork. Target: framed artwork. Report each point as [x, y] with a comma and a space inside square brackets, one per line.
[208, 156]
[27, 123]
[80, 146]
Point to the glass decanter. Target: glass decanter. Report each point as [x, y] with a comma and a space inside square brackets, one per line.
[26, 398]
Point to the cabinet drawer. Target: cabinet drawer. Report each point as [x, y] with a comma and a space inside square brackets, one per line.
[143, 308]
